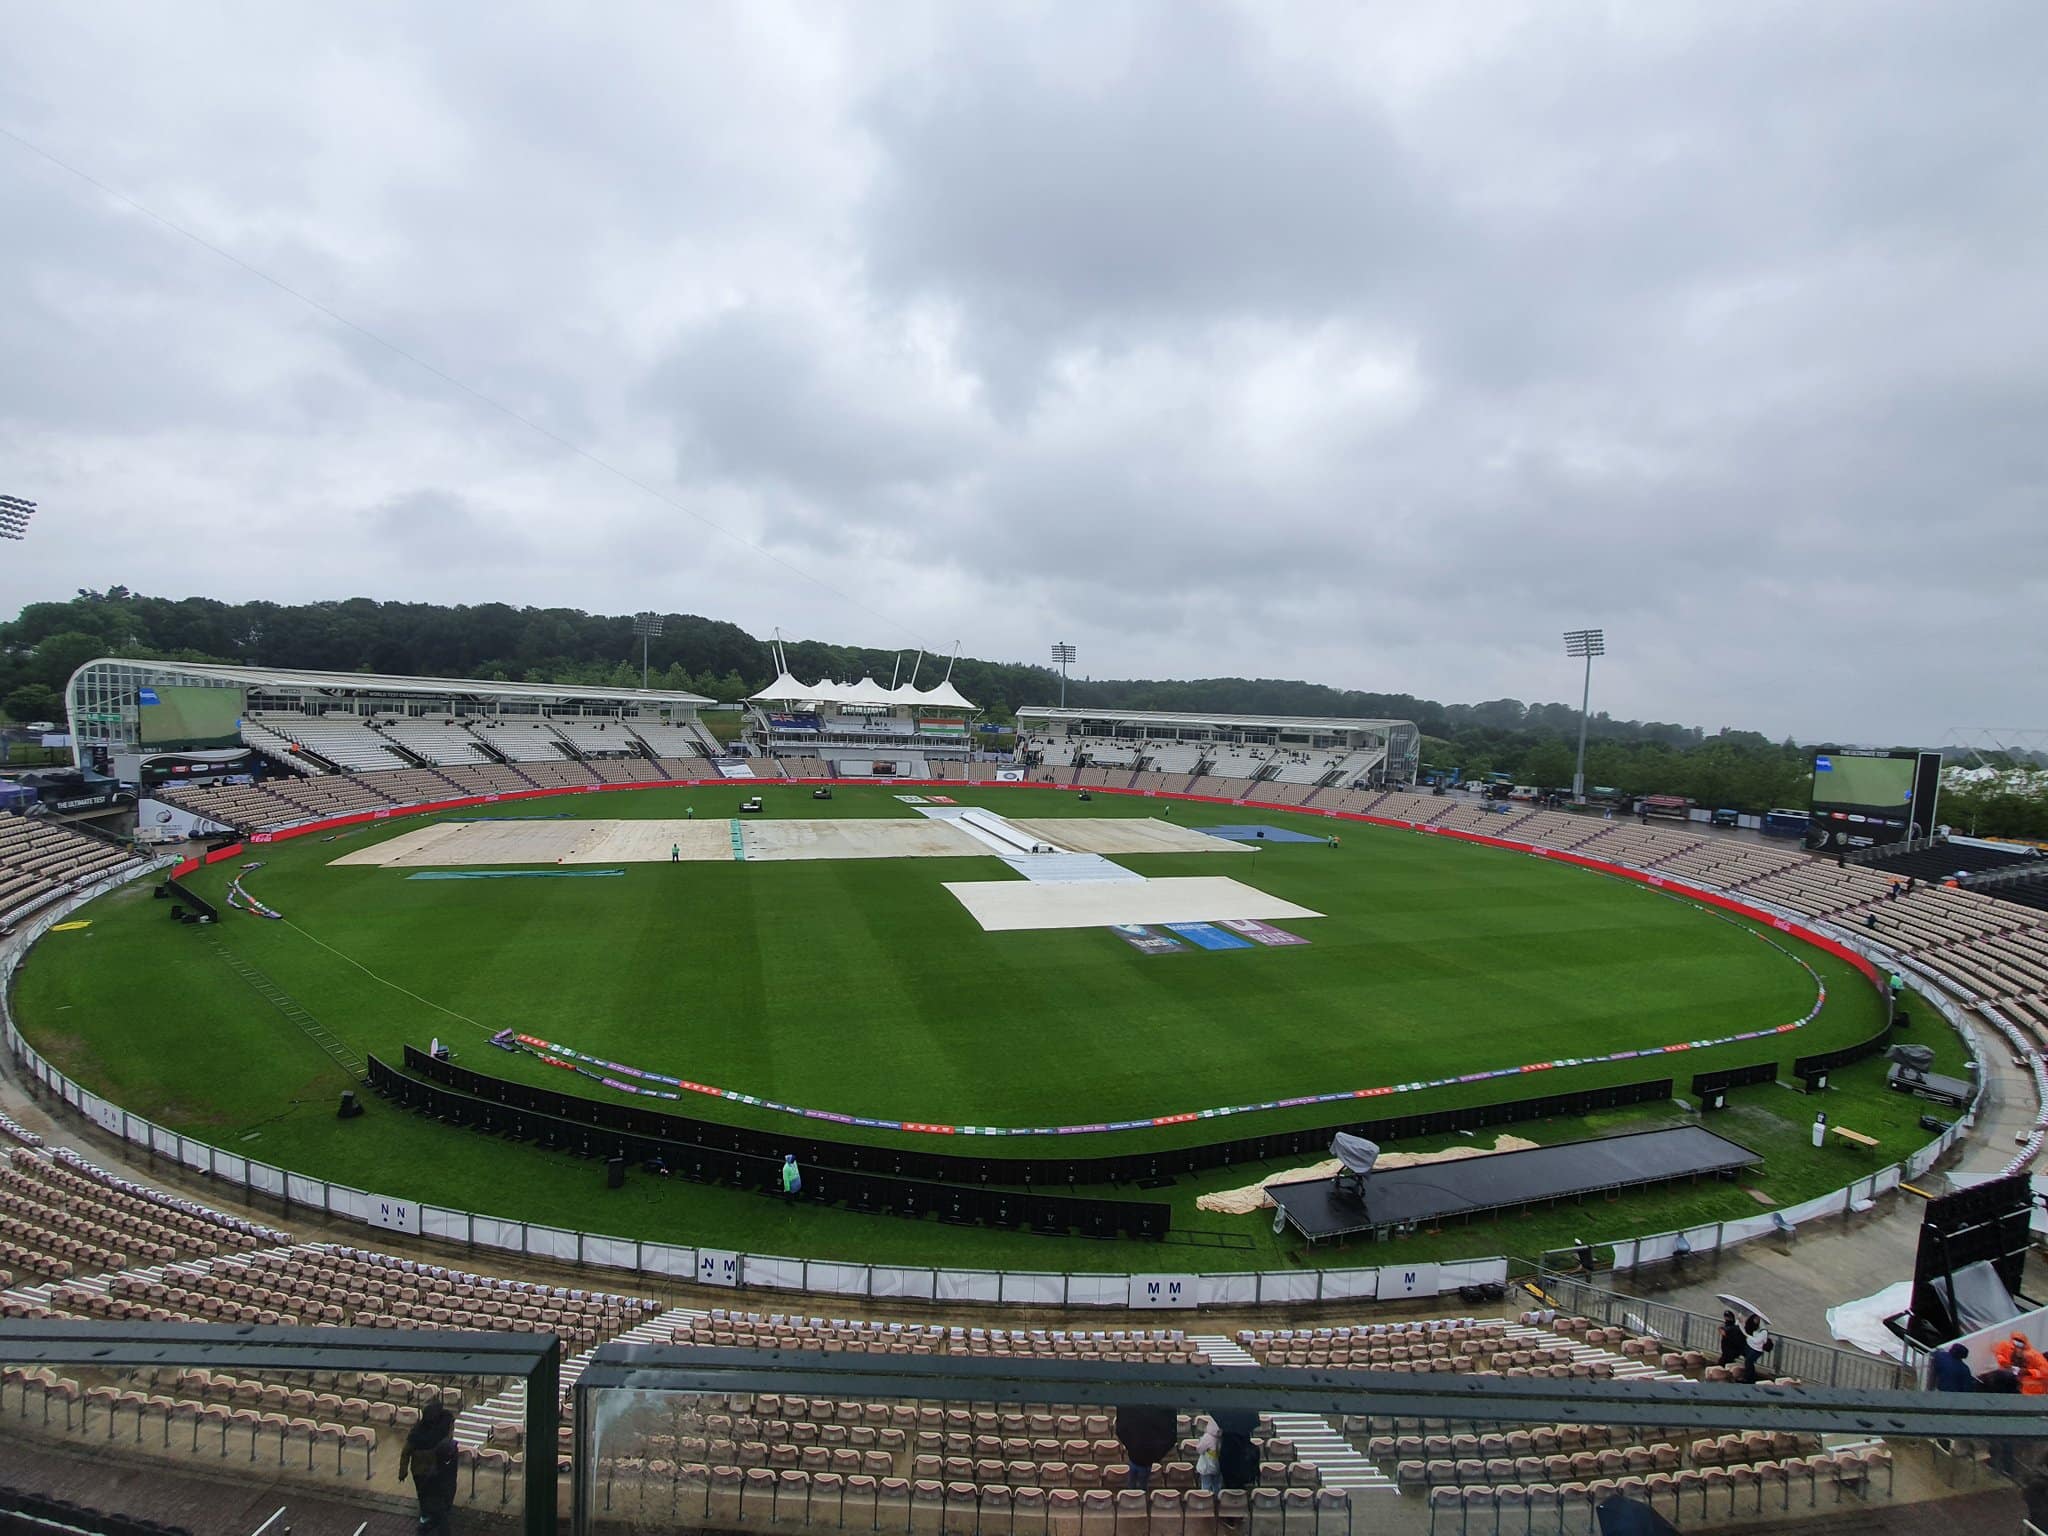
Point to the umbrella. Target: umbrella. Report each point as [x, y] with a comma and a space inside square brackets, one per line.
[1743, 1308]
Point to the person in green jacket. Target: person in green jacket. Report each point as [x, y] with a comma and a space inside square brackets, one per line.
[792, 1177]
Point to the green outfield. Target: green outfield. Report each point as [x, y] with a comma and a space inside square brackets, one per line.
[861, 986]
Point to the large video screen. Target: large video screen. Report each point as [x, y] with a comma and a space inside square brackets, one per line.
[1881, 785]
[189, 717]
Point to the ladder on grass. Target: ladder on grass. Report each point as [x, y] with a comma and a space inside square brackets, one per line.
[286, 1004]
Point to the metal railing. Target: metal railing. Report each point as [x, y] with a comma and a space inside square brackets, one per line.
[1803, 1360]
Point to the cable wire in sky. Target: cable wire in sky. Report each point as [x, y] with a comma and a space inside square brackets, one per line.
[458, 384]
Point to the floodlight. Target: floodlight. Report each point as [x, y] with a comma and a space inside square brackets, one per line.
[1587, 643]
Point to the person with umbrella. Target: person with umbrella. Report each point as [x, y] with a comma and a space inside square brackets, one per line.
[1146, 1432]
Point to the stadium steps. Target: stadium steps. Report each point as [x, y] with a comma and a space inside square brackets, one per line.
[474, 1424]
[1625, 1367]
[1316, 1440]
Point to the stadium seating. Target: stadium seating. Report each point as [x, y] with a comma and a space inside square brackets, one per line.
[1949, 857]
[343, 740]
[42, 860]
[675, 742]
[520, 740]
[443, 742]
[598, 738]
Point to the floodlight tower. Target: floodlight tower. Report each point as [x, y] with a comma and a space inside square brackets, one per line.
[1063, 658]
[1587, 643]
[14, 516]
[646, 626]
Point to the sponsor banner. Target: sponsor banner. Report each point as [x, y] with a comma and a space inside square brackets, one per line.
[1262, 933]
[1208, 936]
[1144, 940]
[1011, 776]
[909, 799]
[941, 800]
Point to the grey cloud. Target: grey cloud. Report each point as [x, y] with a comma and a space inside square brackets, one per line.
[1372, 345]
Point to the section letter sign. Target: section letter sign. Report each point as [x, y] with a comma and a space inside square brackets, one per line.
[1160, 1292]
[716, 1266]
[1408, 1280]
[393, 1215]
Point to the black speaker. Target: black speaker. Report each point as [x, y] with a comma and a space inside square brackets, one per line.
[350, 1105]
[615, 1173]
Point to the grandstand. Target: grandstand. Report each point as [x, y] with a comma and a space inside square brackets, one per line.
[1293, 750]
[253, 749]
[861, 730]
[124, 713]
[78, 1242]
[41, 861]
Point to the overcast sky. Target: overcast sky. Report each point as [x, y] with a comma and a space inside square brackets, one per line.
[1373, 344]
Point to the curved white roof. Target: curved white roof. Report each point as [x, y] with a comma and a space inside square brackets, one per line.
[942, 696]
[786, 689]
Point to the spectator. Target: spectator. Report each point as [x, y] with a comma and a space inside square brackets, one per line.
[1584, 1252]
[1209, 1456]
[1731, 1339]
[1950, 1370]
[1756, 1343]
[1146, 1432]
[1240, 1462]
[792, 1177]
[429, 1460]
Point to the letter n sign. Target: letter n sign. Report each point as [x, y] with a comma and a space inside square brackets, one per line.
[392, 1215]
[1162, 1292]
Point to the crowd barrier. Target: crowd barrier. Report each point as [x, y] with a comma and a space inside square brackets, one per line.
[1145, 1220]
[971, 1170]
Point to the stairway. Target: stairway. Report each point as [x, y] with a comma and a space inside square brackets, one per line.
[1316, 1440]
[474, 1424]
[1626, 1368]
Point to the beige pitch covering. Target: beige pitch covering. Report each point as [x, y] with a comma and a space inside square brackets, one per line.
[544, 840]
[1124, 834]
[1006, 905]
[1253, 1197]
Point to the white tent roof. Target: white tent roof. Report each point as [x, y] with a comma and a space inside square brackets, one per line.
[943, 696]
[868, 691]
[786, 689]
[783, 688]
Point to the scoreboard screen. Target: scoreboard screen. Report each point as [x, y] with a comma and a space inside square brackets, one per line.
[1859, 800]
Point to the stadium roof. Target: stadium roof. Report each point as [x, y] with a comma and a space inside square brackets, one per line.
[787, 690]
[371, 682]
[1200, 717]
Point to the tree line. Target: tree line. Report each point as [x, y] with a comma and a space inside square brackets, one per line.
[498, 642]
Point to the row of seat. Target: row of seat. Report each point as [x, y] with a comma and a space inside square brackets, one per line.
[735, 1498]
[1753, 1490]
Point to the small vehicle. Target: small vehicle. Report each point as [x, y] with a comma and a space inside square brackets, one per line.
[753, 804]
[1726, 818]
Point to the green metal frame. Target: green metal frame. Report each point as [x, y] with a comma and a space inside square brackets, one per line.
[536, 1358]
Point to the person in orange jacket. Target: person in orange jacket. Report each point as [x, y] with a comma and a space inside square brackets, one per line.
[2018, 1355]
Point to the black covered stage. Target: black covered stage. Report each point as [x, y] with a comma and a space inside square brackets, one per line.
[1464, 1187]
